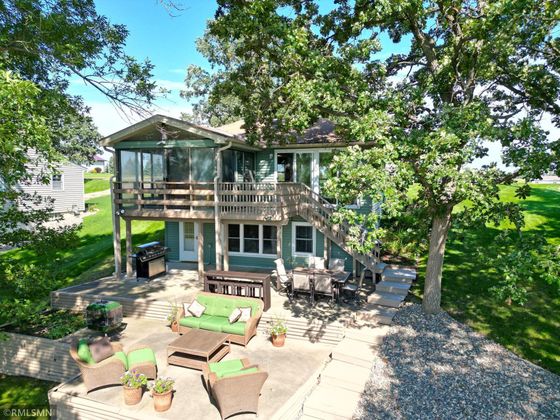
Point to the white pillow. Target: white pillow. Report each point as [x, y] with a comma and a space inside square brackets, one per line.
[186, 309]
[196, 308]
[245, 314]
[234, 316]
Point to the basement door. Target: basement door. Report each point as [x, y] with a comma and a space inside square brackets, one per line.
[188, 232]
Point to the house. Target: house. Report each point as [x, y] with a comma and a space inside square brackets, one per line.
[99, 164]
[66, 187]
[226, 202]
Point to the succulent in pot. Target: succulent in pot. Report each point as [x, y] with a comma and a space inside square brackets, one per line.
[162, 393]
[277, 331]
[133, 386]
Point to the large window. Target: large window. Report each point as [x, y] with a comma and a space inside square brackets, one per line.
[303, 239]
[252, 239]
[145, 166]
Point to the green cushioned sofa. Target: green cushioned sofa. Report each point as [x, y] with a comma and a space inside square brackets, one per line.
[215, 317]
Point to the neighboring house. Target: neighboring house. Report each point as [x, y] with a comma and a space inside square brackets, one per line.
[226, 202]
[66, 187]
[99, 162]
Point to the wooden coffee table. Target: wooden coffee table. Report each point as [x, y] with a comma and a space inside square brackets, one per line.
[196, 348]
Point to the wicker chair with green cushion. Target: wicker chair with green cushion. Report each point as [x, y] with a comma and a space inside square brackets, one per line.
[103, 373]
[215, 317]
[235, 385]
[109, 371]
[143, 359]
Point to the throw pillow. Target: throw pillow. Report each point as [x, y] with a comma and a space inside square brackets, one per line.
[196, 308]
[186, 309]
[101, 349]
[245, 314]
[84, 353]
[234, 316]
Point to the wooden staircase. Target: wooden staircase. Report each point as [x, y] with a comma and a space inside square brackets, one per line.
[390, 292]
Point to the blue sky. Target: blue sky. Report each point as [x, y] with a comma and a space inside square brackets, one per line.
[169, 43]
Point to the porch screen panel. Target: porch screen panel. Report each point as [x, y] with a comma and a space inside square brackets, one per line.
[228, 165]
[202, 163]
[303, 168]
[129, 172]
[249, 167]
[178, 165]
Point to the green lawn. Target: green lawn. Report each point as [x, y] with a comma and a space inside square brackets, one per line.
[94, 182]
[23, 392]
[531, 331]
[92, 255]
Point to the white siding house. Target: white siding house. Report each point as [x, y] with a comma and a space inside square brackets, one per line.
[66, 188]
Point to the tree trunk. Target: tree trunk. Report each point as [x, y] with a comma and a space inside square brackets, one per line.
[432, 285]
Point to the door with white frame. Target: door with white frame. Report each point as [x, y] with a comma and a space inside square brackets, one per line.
[188, 233]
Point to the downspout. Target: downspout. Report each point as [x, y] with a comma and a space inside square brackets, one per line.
[217, 223]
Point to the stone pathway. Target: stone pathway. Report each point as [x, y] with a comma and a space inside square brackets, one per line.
[96, 194]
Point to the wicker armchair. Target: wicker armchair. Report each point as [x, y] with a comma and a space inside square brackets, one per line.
[236, 394]
[104, 373]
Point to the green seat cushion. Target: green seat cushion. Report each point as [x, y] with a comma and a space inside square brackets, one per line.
[122, 357]
[219, 305]
[219, 368]
[223, 306]
[84, 352]
[192, 321]
[141, 356]
[214, 323]
[237, 328]
[238, 372]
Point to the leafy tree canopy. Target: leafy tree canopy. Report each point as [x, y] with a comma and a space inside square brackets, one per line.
[475, 71]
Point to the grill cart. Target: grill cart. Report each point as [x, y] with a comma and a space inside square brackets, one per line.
[104, 315]
[150, 260]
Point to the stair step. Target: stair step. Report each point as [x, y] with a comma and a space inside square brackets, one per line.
[354, 352]
[375, 314]
[373, 336]
[404, 273]
[345, 375]
[386, 299]
[331, 403]
[395, 287]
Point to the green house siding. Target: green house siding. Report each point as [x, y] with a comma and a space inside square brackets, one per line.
[265, 166]
[172, 240]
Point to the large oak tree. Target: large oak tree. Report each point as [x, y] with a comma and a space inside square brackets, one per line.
[472, 72]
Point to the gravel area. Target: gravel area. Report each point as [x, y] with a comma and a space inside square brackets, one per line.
[433, 367]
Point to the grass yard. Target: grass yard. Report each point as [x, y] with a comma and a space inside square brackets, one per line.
[92, 256]
[94, 182]
[531, 331]
[22, 392]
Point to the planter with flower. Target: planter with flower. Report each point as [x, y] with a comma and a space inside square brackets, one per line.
[277, 331]
[133, 386]
[172, 317]
[162, 393]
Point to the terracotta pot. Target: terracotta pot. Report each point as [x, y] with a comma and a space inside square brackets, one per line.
[174, 326]
[278, 340]
[132, 396]
[162, 402]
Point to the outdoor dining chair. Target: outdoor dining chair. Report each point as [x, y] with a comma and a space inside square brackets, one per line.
[285, 279]
[323, 285]
[336, 264]
[317, 263]
[301, 283]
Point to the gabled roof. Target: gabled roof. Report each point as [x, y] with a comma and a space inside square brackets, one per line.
[219, 136]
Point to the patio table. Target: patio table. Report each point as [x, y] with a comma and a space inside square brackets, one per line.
[196, 348]
[339, 278]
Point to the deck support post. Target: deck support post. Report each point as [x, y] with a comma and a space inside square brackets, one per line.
[217, 219]
[128, 226]
[326, 250]
[355, 267]
[116, 232]
[279, 241]
[225, 246]
[200, 250]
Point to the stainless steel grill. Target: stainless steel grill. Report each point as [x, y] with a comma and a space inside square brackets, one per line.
[150, 260]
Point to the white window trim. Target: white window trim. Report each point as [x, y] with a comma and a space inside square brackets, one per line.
[242, 253]
[303, 254]
[61, 182]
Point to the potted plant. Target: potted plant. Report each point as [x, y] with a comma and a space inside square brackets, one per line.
[162, 393]
[277, 331]
[172, 317]
[133, 385]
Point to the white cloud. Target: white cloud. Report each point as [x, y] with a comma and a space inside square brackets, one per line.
[170, 84]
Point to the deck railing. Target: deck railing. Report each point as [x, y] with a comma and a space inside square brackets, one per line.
[235, 199]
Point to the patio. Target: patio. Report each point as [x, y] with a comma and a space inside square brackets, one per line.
[289, 368]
